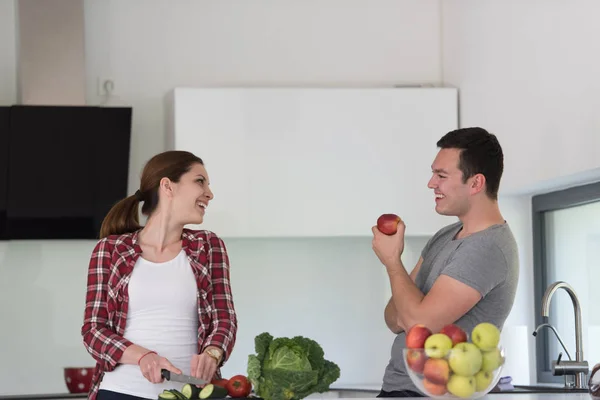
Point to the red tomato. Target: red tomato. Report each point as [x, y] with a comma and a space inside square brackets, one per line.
[239, 386]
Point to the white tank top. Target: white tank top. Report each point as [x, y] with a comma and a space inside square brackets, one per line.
[162, 316]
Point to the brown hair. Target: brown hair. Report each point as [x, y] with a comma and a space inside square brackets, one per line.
[480, 153]
[123, 217]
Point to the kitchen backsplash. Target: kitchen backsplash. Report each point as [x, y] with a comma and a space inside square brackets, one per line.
[331, 289]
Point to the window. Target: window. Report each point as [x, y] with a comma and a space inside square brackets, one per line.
[566, 233]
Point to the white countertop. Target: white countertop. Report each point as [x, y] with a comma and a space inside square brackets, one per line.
[513, 396]
[490, 396]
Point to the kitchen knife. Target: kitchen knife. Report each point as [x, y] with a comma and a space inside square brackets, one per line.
[170, 376]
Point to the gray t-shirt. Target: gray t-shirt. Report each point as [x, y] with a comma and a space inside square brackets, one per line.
[487, 261]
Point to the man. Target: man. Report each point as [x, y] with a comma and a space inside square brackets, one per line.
[468, 271]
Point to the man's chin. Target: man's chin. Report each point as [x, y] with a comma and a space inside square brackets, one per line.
[444, 212]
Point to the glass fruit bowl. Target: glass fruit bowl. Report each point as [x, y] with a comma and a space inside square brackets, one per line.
[460, 372]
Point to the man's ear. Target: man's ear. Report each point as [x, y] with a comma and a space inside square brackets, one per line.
[477, 183]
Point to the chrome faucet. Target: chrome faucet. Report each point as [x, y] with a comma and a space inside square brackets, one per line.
[553, 329]
[579, 367]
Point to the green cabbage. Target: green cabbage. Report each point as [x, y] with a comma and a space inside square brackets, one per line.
[289, 368]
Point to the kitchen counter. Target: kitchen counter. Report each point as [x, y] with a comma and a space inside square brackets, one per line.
[494, 396]
[43, 396]
[491, 396]
[522, 396]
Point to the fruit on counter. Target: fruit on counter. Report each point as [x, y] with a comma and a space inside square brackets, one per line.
[455, 333]
[416, 360]
[465, 359]
[449, 364]
[437, 371]
[238, 386]
[461, 386]
[211, 391]
[486, 336]
[434, 389]
[388, 223]
[483, 379]
[492, 359]
[289, 368]
[437, 345]
[416, 336]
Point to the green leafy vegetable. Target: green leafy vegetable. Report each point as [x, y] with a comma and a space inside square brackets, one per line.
[289, 368]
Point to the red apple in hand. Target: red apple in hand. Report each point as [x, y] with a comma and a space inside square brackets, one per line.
[455, 333]
[416, 336]
[416, 360]
[388, 223]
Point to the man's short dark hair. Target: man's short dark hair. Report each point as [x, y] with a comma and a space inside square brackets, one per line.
[480, 154]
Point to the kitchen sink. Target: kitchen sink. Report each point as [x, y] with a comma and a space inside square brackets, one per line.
[540, 389]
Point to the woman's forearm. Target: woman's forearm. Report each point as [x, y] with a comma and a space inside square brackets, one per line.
[132, 354]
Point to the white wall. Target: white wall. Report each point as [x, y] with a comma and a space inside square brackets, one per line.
[42, 294]
[51, 62]
[527, 70]
[8, 54]
[148, 48]
[333, 290]
[524, 67]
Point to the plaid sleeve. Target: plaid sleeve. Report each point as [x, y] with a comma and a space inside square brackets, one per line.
[224, 319]
[102, 342]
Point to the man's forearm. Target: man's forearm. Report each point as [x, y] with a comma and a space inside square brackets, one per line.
[406, 296]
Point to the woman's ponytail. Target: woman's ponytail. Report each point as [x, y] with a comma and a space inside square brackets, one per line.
[122, 218]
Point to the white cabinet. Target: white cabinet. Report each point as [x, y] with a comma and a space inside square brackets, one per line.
[314, 162]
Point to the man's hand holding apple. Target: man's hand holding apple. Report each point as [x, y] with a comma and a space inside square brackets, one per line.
[388, 241]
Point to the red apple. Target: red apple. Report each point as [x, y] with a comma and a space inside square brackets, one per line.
[416, 360]
[455, 333]
[434, 389]
[388, 223]
[437, 370]
[416, 336]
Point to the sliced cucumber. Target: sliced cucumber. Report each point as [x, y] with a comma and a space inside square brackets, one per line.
[211, 391]
[190, 391]
[178, 395]
[167, 395]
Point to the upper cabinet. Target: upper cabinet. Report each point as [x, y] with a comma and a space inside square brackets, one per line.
[314, 162]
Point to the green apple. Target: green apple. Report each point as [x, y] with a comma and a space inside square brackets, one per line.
[483, 379]
[438, 345]
[461, 386]
[492, 359]
[465, 359]
[486, 336]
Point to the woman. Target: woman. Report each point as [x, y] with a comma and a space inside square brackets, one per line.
[158, 296]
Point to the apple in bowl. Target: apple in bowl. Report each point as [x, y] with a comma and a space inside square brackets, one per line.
[447, 368]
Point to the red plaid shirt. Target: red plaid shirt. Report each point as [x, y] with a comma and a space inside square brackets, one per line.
[107, 298]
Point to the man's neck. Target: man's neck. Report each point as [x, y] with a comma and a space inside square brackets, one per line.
[480, 218]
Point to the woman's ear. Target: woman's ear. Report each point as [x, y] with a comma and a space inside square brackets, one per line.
[166, 186]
